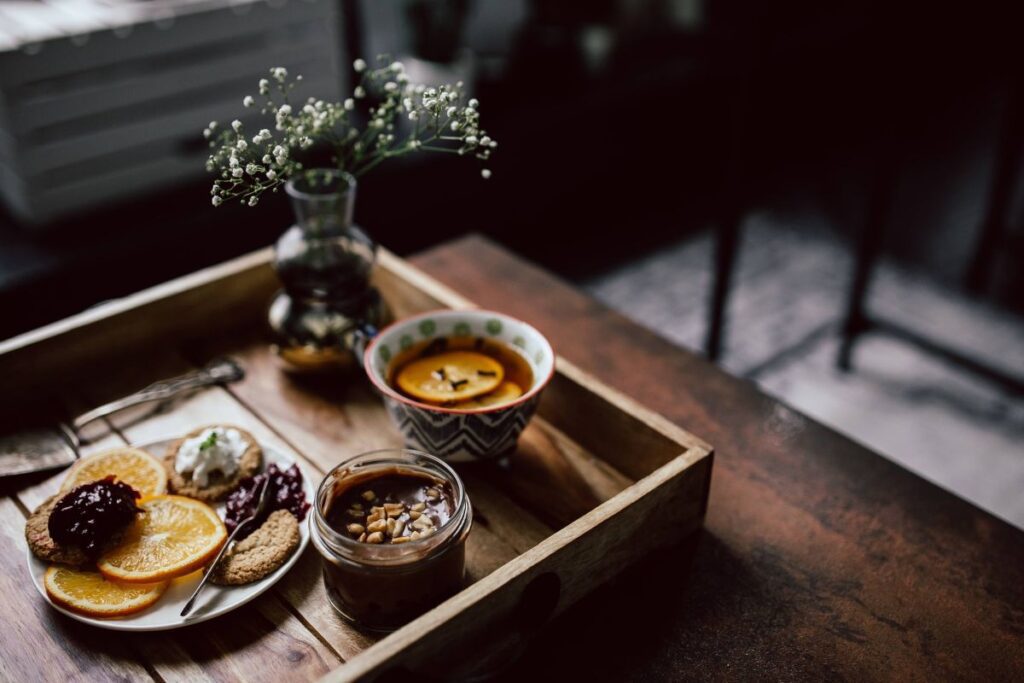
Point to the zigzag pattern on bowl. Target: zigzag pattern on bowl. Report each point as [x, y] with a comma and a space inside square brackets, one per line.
[461, 435]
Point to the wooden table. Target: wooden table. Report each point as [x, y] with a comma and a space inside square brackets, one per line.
[819, 558]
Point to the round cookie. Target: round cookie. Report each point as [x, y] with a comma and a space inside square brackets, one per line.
[42, 545]
[260, 553]
[219, 487]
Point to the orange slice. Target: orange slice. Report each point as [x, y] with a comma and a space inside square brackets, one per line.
[505, 393]
[135, 467]
[175, 536]
[91, 594]
[452, 376]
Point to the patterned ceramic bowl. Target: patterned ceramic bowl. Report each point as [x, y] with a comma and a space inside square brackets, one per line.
[447, 432]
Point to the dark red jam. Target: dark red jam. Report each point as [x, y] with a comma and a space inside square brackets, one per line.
[91, 514]
[286, 494]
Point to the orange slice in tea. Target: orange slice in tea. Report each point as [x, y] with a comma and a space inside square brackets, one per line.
[450, 377]
[92, 594]
[133, 466]
[175, 536]
[505, 393]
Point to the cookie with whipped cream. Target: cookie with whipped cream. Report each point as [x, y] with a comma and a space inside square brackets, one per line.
[211, 461]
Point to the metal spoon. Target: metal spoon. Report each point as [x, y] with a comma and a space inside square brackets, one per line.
[261, 505]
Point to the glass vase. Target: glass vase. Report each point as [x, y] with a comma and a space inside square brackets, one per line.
[327, 306]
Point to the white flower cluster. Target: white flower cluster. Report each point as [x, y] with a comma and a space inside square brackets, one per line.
[439, 120]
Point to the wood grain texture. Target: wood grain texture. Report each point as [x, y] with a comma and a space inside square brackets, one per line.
[37, 642]
[555, 519]
[818, 560]
[260, 641]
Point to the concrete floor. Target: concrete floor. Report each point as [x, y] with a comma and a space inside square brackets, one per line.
[942, 422]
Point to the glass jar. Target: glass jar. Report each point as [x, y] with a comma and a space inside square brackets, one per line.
[383, 586]
[327, 305]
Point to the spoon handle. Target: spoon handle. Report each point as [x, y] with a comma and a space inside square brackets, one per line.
[195, 594]
[244, 523]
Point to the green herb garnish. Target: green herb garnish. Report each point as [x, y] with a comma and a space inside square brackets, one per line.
[209, 442]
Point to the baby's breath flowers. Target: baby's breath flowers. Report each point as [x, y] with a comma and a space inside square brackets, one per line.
[438, 120]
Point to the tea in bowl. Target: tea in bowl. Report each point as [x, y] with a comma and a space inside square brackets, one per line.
[460, 384]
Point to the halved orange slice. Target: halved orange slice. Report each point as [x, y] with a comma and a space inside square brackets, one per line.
[175, 535]
[452, 376]
[505, 393]
[91, 594]
[133, 466]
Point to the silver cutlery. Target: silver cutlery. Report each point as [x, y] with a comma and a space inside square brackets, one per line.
[261, 506]
[36, 450]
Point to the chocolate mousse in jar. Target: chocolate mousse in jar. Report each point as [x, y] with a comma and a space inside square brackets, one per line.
[391, 527]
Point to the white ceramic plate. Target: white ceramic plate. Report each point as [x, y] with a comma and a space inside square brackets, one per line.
[214, 600]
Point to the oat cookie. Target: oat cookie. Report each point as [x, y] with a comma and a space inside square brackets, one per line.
[249, 465]
[37, 534]
[260, 553]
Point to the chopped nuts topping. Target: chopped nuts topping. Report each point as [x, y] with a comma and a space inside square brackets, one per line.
[385, 520]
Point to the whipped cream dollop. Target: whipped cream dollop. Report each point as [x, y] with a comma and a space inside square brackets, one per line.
[215, 450]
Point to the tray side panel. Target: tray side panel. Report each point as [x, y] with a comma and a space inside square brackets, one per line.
[208, 302]
[633, 439]
[518, 599]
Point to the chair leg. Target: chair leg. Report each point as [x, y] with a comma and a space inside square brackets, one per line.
[1000, 198]
[869, 248]
[726, 245]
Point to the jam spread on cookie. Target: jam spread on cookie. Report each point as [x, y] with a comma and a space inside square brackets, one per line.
[91, 514]
[286, 494]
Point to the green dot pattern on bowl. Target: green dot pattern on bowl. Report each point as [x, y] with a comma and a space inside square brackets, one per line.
[462, 329]
[539, 357]
[493, 326]
[428, 327]
[520, 342]
[405, 342]
[384, 352]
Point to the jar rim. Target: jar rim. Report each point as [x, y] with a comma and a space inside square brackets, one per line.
[460, 516]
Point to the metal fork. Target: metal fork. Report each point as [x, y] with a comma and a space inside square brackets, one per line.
[261, 505]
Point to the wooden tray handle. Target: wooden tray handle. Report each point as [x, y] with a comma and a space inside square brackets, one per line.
[503, 638]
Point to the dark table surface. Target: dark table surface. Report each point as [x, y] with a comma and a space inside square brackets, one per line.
[818, 558]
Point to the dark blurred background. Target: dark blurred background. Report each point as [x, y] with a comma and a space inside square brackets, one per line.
[822, 197]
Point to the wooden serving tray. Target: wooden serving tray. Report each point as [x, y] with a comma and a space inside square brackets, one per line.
[597, 482]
